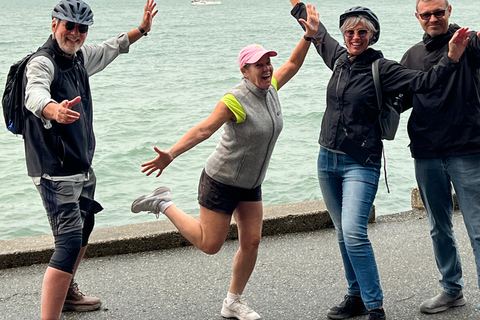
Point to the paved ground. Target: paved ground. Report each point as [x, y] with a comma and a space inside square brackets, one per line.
[298, 276]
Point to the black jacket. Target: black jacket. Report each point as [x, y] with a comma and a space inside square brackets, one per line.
[446, 121]
[351, 98]
[64, 149]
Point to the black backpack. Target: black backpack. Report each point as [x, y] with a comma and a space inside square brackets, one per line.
[13, 100]
[390, 106]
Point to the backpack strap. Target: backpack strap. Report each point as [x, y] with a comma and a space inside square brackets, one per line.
[46, 52]
[378, 89]
[376, 82]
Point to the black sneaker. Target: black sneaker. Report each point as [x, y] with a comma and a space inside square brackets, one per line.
[350, 307]
[377, 314]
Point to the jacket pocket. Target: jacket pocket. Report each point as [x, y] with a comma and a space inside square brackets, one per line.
[238, 173]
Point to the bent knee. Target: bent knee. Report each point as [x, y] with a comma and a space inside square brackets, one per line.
[211, 245]
[211, 248]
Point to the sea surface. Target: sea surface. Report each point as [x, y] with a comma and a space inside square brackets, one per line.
[173, 78]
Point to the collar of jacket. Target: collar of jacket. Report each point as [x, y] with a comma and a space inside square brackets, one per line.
[59, 54]
[256, 90]
[434, 43]
[365, 58]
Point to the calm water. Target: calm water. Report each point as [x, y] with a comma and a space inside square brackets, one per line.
[172, 79]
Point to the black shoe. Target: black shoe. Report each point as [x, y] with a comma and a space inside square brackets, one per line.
[377, 314]
[350, 307]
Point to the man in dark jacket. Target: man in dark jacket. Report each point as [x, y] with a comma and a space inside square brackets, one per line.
[59, 142]
[444, 129]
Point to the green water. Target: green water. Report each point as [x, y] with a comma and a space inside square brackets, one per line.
[172, 79]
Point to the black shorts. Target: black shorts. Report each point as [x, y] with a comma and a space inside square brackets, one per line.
[223, 198]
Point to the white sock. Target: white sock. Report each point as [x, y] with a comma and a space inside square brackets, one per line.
[164, 206]
[232, 297]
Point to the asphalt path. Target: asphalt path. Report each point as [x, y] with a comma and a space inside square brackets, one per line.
[298, 276]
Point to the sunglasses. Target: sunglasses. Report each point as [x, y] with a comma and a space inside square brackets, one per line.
[362, 33]
[82, 28]
[438, 14]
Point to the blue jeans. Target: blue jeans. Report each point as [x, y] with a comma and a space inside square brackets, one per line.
[348, 190]
[435, 178]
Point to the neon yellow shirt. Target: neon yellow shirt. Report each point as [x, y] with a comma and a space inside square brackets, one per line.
[235, 106]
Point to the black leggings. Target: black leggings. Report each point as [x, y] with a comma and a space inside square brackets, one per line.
[88, 224]
[68, 245]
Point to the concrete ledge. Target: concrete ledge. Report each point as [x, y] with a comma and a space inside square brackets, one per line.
[158, 235]
[417, 202]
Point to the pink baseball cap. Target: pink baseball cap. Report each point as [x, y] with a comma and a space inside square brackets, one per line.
[253, 53]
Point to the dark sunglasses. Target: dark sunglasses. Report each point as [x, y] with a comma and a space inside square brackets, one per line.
[82, 28]
[438, 14]
[362, 33]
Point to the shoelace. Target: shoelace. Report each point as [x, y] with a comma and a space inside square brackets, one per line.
[75, 290]
[347, 302]
[157, 214]
[242, 307]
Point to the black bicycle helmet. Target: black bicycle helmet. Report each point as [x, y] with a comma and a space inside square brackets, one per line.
[363, 11]
[74, 11]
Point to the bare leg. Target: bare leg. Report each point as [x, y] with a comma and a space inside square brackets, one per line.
[249, 218]
[294, 2]
[54, 290]
[207, 234]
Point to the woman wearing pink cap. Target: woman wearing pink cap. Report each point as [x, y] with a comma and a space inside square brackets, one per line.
[230, 183]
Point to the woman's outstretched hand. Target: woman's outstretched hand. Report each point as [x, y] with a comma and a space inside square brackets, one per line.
[159, 163]
[311, 25]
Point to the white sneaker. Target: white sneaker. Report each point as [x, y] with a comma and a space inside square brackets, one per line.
[157, 201]
[238, 309]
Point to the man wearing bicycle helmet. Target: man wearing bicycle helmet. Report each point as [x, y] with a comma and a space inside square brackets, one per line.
[60, 143]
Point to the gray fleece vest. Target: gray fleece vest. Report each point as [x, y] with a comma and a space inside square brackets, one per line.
[242, 156]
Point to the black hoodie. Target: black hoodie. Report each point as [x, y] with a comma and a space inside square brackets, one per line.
[446, 121]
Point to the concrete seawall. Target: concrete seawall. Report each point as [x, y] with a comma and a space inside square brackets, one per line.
[158, 235]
